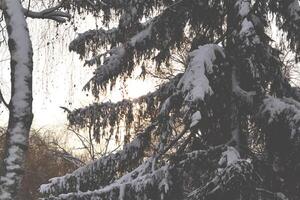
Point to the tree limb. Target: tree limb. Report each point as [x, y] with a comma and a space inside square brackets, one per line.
[49, 13]
[52, 13]
[3, 100]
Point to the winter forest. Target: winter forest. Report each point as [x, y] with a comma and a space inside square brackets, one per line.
[150, 100]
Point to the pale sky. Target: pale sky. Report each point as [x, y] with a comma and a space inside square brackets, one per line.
[59, 75]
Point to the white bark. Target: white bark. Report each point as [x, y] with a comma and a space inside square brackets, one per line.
[20, 106]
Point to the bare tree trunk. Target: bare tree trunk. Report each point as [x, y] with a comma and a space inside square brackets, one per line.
[20, 106]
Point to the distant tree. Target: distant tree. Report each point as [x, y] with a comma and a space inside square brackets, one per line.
[227, 127]
[20, 105]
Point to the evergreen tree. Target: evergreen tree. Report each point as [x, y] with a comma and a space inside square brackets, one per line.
[227, 127]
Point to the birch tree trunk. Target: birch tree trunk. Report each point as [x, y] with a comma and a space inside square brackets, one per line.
[20, 106]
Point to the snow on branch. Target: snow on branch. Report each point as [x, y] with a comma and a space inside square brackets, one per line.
[153, 39]
[92, 39]
[113, 65]
[194, 83]
[192, 87]
[166, 182]
[133, 186]
[102, 171]
[116, 61]
[159, 26]
[221, 169]
[143, 182]
[274, 108]
[239, 174]
[234, 174]
[249, 21]
[255, 57]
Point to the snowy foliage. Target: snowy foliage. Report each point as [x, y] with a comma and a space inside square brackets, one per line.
[226, 127]
[273, 109]
[100, 172]
[234, 173]
[154, 39]
[194, 82]
[134, 185]
[229, 156]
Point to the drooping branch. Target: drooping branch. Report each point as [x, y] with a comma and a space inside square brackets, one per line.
[136, 185]
[90, 40]
[166, 182]
[287, 14]
[154, 40]
[2, 100]
[200, 97]
[100, 116]
[102, 171]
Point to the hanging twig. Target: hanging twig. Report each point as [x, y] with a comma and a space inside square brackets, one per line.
[3, 100]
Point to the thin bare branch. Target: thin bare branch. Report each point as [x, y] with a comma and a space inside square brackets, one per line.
[2, 100]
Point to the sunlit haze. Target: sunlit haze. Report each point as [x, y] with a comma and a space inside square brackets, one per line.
[59, 75]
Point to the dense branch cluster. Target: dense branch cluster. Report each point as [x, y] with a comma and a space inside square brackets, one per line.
[225, 128]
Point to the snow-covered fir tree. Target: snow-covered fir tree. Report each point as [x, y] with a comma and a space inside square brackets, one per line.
[226, 126]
